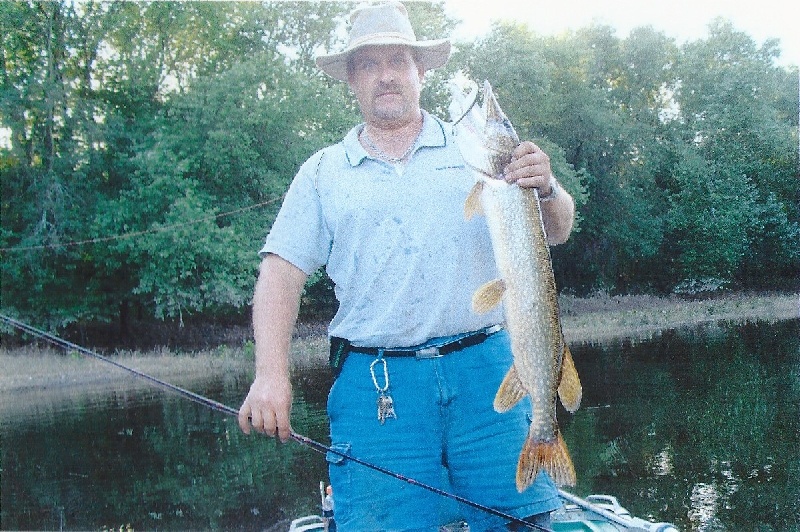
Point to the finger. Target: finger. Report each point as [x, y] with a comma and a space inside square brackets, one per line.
[284, 428]
[535, 174]
[534, 168]
[257, 421]
[535, 182]
[516, 170]
[524, 148]
[244, 418]
[527, 156]
[270, 424]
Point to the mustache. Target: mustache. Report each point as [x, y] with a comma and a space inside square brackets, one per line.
[387, 88]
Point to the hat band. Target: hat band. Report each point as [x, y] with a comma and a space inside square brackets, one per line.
[379, 36]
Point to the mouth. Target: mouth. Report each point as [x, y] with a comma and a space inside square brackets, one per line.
[388, 90]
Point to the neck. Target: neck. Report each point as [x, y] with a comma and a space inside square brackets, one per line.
[392, 140]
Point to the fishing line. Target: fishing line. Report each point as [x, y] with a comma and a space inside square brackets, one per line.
[134, 234]
[225, 409]
[214, 405]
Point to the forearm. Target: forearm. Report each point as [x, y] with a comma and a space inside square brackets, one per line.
[276, 302]
[558, 214]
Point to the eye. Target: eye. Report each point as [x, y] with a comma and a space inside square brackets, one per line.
[365, 64]
[398, 61]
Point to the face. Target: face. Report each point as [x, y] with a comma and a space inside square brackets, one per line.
[387, 83]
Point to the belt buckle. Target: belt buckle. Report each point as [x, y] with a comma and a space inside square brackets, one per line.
[428, 352]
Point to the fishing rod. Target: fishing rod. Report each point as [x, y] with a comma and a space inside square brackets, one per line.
[225, 409]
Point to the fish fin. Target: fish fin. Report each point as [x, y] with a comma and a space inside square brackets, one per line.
[552, 457]
[488, 296]
[569, 389]
[473, 204]
[511, 391]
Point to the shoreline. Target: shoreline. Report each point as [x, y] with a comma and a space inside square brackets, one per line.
[602, 318]
[32, 371]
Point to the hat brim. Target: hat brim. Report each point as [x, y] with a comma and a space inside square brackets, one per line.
[432, 54]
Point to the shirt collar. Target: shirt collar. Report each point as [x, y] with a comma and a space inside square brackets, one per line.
[432, 136]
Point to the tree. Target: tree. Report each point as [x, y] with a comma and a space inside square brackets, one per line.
[150, 145]
[736, 201]
[110, 137]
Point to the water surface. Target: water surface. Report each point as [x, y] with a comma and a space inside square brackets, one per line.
[699, 427]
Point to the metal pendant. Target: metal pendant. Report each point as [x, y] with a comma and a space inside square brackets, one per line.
[385, 401]
[385, 407]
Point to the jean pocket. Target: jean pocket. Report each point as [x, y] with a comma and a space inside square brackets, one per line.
[339, 471]
[337, 453]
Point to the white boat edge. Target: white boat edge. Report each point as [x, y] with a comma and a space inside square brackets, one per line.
[588, 513]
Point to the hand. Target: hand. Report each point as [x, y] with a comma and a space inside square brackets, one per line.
[267, 407]
[529, 168]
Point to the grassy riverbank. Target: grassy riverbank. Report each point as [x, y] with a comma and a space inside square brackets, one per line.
[601, 318]
[30, 371]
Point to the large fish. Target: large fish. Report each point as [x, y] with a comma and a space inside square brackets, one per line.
[543, 366]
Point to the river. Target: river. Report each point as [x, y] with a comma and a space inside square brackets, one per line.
[699, 427]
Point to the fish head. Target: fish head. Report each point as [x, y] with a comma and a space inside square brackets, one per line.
[500, 137]
[483, 134]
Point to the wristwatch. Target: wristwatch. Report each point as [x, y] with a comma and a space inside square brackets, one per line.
[554, 188]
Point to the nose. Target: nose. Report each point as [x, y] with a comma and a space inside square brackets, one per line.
[388, 73]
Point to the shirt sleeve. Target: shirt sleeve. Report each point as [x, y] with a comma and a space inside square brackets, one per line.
[300, 234]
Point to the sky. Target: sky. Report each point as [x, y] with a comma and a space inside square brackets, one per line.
[684, 20]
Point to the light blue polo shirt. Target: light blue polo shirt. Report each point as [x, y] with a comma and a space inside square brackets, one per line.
[403, 259]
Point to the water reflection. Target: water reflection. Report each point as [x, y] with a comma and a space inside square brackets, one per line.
[152, 460]
[703, 511]
[697, 427]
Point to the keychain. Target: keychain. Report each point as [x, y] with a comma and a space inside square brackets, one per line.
[385, 402]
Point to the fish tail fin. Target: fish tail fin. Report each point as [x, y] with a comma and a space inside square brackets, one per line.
[552, 457]
[569, 389]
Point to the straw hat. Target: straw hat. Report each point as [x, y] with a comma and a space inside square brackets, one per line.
[384, 24]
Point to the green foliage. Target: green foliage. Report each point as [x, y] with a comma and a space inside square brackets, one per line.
[166, 183]
[710, 218]
[151, 144]
[737, 169]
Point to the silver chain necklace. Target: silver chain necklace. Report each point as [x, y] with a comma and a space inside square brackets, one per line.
[385, 156]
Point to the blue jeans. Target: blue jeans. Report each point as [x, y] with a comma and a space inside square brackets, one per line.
[446, 434]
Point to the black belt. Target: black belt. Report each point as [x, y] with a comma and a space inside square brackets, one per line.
[471, 339]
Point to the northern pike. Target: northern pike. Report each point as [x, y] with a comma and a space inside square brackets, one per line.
[543, 367]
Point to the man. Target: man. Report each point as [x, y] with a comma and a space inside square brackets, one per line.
[383, 211]
[328, 508]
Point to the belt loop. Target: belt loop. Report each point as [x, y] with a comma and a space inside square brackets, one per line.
[429, 352]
